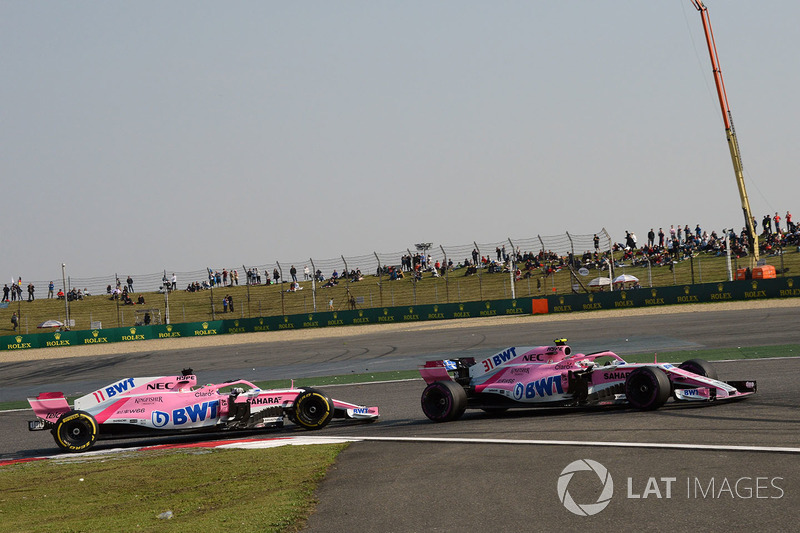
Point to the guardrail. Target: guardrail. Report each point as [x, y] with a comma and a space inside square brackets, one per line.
[747, 290]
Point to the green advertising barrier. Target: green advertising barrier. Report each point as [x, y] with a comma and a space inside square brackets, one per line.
[657, 296]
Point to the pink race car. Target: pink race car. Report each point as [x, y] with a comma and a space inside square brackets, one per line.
[553, 376]
[136, 407]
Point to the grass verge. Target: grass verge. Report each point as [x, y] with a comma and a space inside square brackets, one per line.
[205, 490]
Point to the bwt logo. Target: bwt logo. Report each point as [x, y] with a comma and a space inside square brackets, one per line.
[193, 413]
[585, 509]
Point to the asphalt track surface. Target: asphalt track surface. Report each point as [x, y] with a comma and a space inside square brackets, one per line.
[441, 484]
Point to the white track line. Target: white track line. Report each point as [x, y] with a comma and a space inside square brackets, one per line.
[604, 444]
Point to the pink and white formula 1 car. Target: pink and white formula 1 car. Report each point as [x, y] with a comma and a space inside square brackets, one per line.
[553, 376]
[168, 405]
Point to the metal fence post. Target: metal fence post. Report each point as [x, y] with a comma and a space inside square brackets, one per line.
[513, 270]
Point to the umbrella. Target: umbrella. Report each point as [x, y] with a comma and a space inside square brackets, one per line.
[626, 278]
[50, 324]
[600, 282]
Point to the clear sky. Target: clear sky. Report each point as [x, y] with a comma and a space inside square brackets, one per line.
[150, 135]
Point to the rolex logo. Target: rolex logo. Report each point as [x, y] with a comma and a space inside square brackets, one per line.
[169, 328]
[205, 325]
[95, 333]
[57, 335]
[133, 331]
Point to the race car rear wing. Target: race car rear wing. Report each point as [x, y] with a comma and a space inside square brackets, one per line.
[49, 406]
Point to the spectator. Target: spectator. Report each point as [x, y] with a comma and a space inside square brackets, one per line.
[30, 292]
[225, 304]
[275, 275]
[140, 300]
[777, 220]
[5, 292]
[596, 240]
[50, 290]
[293, 273]
[230, 302]
[14, 320]
[129, 281]
[330, 304]
[174, 281]
[306, 273]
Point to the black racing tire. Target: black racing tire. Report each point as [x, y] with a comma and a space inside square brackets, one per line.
[647, 388]
[700, 367]
[444, 401]
[312, 409]
[76, 431]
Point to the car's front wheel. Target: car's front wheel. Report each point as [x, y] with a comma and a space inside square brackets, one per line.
[312, 409]
[701, 367]
[444, 401]
[647, 388]
[76, 431]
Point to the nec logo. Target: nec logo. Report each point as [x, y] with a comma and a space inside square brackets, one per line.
[160, 386]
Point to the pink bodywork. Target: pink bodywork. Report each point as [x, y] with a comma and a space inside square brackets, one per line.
[176, 403]
[542, 375]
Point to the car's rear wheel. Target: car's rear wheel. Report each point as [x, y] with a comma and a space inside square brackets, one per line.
[312, 409]
[444, 401]
[647, 388]
[700, 367]
[76, 431]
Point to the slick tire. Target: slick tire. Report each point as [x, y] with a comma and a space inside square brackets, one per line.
[76, 431]
[700, 367]
[444, 401]
[647, 388]
[312, 409]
